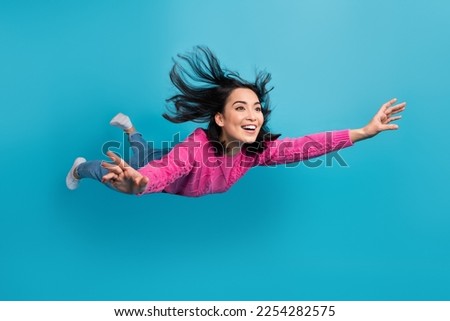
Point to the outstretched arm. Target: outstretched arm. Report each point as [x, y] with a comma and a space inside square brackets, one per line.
[380, 122]
[122, 177]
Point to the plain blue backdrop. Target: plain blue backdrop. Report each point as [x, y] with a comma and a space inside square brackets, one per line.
[377, 229]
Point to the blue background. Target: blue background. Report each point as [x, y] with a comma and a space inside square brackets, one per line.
[375, 230]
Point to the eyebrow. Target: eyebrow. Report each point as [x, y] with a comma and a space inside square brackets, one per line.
[245, 103]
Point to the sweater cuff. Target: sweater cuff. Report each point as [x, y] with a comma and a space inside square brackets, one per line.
[343, 136]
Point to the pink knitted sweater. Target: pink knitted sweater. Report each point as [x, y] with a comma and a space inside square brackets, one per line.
[191, 168]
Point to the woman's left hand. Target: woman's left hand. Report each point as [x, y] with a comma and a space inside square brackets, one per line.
[383, 118]
[380, 122]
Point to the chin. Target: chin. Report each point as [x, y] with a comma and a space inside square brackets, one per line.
[249, 140]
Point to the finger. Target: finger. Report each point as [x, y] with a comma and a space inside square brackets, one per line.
[108, 165]
[109, 177]
[391, 119]
[136, 185]
[112, 168]
[142, 184]
[388, 104]
[390, 127]
[398, 108]
[116, 159]
[142, 181]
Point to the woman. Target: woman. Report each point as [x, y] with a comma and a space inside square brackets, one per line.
[237, 137]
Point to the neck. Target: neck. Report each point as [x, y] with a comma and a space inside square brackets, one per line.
[231, 151]
[232, 148]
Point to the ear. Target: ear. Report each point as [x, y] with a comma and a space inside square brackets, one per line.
[219, 119]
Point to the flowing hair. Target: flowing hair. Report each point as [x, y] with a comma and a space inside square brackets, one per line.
[203, 88]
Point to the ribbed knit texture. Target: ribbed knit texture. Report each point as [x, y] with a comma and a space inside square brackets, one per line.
[192, 168]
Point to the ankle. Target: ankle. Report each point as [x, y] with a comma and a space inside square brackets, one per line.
[131, 130]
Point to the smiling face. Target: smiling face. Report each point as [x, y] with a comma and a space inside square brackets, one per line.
[242, 118]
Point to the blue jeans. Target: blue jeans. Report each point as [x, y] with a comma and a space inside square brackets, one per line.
[142, 154]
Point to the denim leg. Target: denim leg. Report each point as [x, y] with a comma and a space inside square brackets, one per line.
[143, 152]
[91, 169]
[94, 170]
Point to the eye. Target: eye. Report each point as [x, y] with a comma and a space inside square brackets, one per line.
[240, 108]
[258, 109]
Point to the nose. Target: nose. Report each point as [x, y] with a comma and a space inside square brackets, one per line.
[251, 115]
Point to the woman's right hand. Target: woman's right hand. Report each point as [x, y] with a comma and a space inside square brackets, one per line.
[123, 177]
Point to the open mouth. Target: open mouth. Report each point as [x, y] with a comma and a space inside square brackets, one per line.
[249, 128]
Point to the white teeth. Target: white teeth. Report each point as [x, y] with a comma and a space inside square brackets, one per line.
[250, 127]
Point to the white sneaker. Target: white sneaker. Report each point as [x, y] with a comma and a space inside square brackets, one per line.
[122, 121]
[71, 181]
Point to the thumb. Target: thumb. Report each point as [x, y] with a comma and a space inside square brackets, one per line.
[142, 184]
[391, 127]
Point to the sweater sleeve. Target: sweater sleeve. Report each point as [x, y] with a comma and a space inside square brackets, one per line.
[291, 150]
[176, 164]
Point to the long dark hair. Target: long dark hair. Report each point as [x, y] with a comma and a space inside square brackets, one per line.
[203, 90]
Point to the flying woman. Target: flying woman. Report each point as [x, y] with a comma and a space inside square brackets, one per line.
[237, 138]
